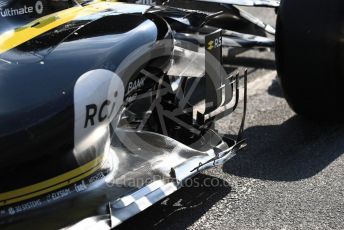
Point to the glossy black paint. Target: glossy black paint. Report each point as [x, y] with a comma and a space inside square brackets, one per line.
[36, 88]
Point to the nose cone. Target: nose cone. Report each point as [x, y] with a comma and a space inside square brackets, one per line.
[56, 106]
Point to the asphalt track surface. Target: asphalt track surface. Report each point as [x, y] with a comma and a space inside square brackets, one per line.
[290, 176]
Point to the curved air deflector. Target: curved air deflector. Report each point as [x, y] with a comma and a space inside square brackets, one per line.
[161, 24]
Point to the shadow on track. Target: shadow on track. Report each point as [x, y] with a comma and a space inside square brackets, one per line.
[275, 89]
[294, 150]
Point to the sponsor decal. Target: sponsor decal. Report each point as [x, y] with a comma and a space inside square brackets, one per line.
[54, 196]
[24, 207]
[130, 99]
[15, 12]
[39, 7]
[97, 177]
[11, 211]
[134, 85]
[98, 96]
[60, 194]
[216, 43]
[26, 9]
[80, 186]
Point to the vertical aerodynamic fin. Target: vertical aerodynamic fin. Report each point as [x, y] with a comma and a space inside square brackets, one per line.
[215, 76]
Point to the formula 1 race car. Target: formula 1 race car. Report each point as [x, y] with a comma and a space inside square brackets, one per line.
[108, 107]
[99, 118]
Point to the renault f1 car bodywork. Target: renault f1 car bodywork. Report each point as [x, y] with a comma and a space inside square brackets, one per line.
[106, 107]
[98, 119]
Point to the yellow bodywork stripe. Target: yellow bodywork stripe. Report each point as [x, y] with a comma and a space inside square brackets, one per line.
[51, 184]
[16, 37]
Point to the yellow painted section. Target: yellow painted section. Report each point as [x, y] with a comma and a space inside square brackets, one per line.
[16, 37]
[51, 184]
